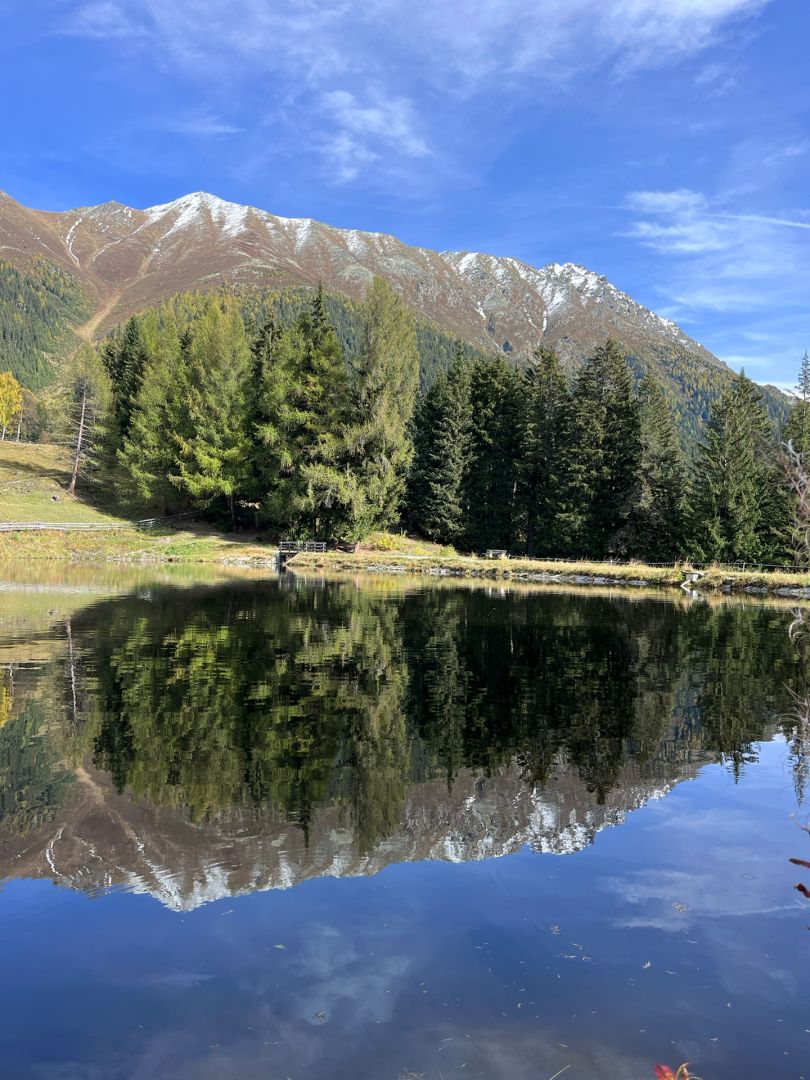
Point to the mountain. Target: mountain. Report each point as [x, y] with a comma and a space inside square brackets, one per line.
[125, 260]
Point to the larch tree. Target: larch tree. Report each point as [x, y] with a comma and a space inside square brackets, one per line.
[737, 492]
[384, 379]
[797, 428]
[213, 462]
[11, 401]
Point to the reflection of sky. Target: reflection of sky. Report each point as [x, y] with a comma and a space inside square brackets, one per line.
[677, 935]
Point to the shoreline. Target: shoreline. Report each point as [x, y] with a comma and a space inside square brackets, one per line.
[575, 573]
[204, 546]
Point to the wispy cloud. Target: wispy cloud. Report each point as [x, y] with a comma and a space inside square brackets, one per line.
[318, 55]
[721, 260]
[203, 127]
[103, 19]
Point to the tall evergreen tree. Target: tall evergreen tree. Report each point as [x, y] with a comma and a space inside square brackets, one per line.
[546, 452]
[383, 384]
[493, 476]
[656, 530]
[605, 456]
[305, 411]
[125, 355]
[213, 462]
[149, 454]
[441, 448]
[797, 428]
[739, 501]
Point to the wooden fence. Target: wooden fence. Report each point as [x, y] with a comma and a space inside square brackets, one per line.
[79, 526]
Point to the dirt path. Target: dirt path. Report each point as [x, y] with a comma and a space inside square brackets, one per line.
[87, 330]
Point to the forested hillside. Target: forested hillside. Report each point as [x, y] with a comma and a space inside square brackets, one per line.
[129, 260]
[256, 411]
[38, 309]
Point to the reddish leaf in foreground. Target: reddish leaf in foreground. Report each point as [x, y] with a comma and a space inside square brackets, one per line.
[803, 890]
[800, 862]
[663, 1072]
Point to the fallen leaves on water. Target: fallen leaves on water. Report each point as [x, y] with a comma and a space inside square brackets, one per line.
[663, 1072]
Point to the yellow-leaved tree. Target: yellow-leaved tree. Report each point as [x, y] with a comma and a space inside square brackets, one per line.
[10, 401]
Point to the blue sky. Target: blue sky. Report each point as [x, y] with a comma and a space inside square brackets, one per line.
[664, 143]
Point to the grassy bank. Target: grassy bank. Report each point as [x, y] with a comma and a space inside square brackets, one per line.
[196, 545]
[633, 575]
[33, 487]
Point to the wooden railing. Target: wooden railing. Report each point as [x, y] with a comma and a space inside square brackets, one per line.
[292, 547]
[82, 526]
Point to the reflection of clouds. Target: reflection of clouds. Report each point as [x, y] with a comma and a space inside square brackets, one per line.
[339, 978]
[705, 895]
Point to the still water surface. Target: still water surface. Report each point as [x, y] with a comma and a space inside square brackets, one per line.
[333, 830]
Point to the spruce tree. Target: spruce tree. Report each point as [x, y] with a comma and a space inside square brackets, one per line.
[656, 531]
[260, 412]
[492, 483]
[605, 455]
[125, 355]
[546, 452]
[441, 448]
[159, 421]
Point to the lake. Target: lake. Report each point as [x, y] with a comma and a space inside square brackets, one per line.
[378, 828]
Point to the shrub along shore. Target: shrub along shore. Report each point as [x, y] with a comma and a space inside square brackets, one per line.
[715, 579]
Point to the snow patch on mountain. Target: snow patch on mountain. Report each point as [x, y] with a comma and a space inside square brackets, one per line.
[195, 210]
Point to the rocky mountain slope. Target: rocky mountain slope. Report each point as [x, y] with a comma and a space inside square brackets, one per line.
[127, 259]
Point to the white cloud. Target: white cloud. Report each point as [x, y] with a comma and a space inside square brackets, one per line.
[749, 272]
[103, 19]
[313, 50]
[666, 202]
[204, 126]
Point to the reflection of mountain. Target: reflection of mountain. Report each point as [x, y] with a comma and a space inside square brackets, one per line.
[195, 744]
[109, 839]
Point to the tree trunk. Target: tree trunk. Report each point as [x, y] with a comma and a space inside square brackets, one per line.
[19, 424]
[232, 508]
[79, 440]
[3, 436]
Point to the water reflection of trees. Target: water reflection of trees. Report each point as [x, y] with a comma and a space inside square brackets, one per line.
[256, 695]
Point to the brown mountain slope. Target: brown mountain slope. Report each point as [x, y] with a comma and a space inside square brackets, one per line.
[126, 260]
[136, 257]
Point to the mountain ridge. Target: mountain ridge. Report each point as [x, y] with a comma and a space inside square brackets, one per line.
[234, 220]
[129, 259]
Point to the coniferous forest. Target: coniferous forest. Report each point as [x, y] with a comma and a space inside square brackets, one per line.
[276, 417]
